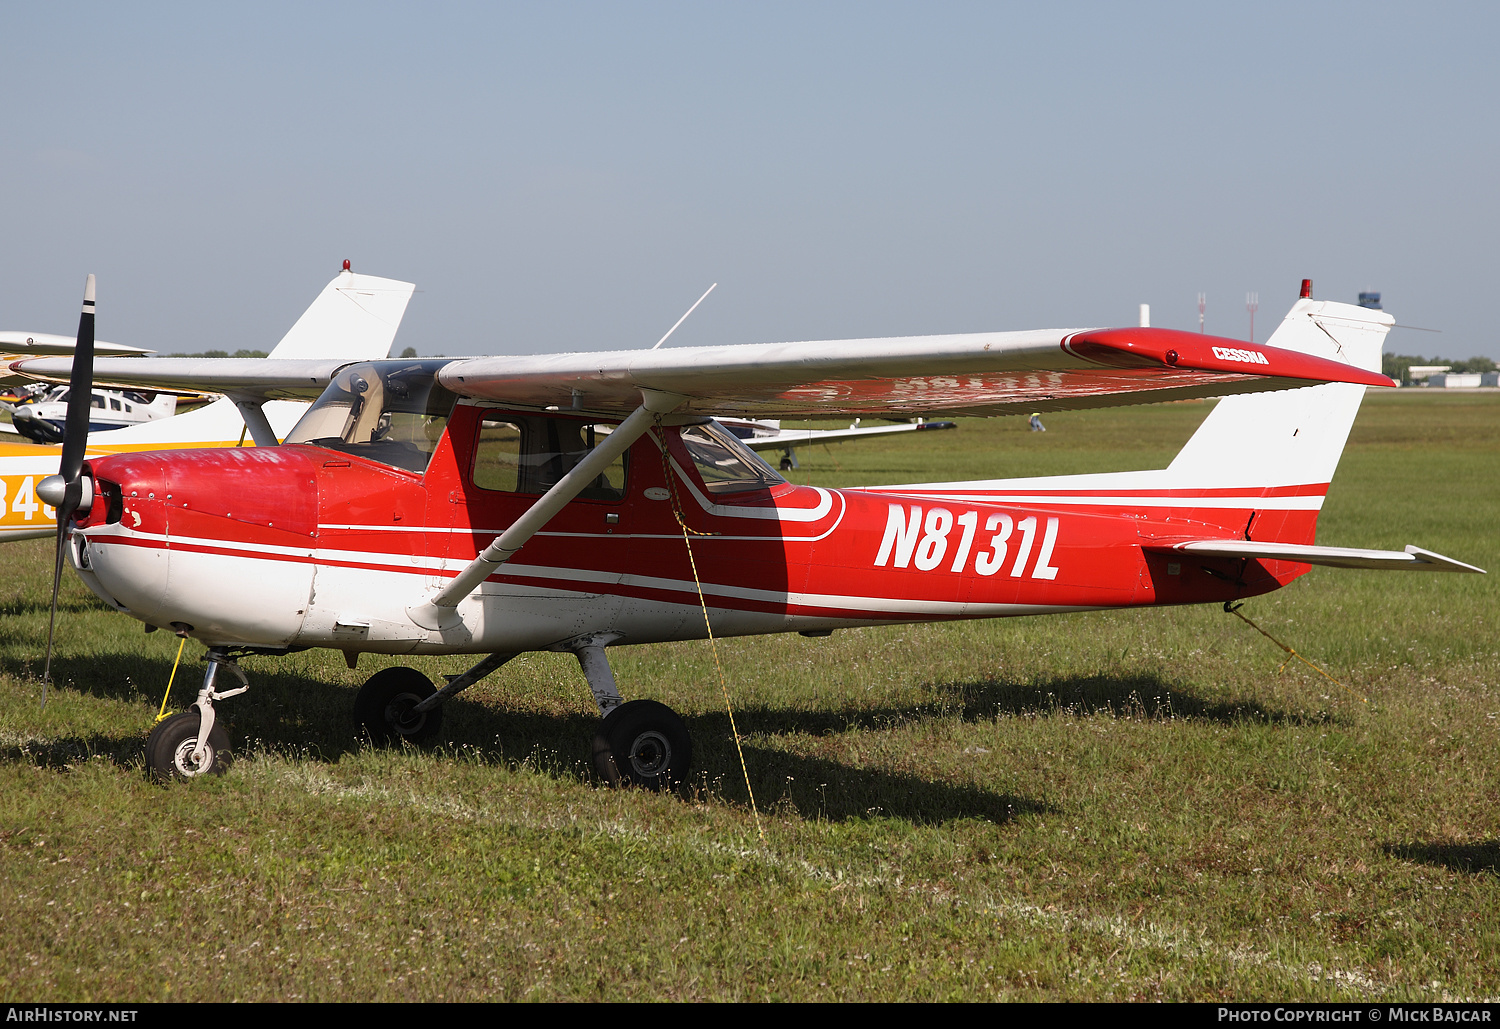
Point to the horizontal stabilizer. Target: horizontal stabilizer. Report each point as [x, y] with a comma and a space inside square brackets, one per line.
[1412, 558]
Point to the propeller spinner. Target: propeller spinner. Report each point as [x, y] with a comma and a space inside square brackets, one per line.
[69, 490]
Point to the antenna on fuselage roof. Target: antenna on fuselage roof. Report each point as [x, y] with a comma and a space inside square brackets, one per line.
[690, 310]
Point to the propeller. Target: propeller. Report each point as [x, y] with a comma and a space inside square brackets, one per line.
[69, 491]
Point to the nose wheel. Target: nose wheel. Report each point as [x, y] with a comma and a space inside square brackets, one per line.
[172, 751]
[643, 743]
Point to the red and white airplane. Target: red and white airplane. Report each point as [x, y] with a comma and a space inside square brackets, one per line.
[497, 505]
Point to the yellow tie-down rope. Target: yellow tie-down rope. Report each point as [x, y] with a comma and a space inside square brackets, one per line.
[687, 533]
[170, 679]
[1234, 609]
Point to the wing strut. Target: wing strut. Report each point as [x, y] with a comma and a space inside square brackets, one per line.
[438, 611]
[256, 421]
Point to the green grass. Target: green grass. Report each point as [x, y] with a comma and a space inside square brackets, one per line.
[1122, 805]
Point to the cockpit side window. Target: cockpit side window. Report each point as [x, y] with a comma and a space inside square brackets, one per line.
[529, 453]
[393, 412]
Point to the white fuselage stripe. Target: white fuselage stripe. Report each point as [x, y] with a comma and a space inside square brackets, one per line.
[423, 566]
[1042, 500]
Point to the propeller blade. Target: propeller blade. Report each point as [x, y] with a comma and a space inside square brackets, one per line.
[80, 391]
[75, 443]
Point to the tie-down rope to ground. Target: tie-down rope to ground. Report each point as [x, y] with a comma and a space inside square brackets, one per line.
[687, 534]
[1234, 609]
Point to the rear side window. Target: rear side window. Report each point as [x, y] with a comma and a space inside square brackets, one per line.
[530, 453]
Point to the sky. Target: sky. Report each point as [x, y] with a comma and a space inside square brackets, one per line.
[571, 176]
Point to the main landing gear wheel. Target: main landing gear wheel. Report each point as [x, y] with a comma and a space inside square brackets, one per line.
[169, 749]
[643, 743]
[384, 707]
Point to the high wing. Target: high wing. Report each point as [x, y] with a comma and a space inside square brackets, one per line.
[987, 373]
[261, 378]
[974, 374]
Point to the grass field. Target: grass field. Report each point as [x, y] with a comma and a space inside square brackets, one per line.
[1125, 805]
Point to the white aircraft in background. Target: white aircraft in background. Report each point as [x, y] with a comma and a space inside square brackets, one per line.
[41, 419]
[16, 345]
[767, 434]
[355, 318]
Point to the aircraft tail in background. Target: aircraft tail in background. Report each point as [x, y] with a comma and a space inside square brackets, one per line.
[354, 318]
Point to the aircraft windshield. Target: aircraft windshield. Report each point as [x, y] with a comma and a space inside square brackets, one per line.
[726, 464]
[393, 412]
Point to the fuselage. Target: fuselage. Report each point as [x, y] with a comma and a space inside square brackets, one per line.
[306, 546]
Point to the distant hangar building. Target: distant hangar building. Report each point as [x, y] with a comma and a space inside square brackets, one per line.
[1456, 380]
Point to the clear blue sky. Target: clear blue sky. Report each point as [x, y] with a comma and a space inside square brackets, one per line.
[560, 176]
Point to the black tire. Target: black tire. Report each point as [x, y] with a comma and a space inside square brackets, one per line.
[169, 749]
[645, 744]
[383, 707]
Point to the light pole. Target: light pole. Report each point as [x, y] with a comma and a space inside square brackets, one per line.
[1252, 302]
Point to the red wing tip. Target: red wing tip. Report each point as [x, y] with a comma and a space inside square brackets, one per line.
[1192, 351]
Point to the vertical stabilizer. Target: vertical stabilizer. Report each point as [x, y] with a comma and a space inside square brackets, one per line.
[164, 406]
[1292, 437]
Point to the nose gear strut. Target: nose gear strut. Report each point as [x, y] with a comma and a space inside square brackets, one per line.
[218, 658]
[190, 744]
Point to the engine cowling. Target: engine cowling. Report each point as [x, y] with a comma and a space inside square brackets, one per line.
[217, 543]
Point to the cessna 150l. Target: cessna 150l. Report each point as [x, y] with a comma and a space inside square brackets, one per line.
[497, 505]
